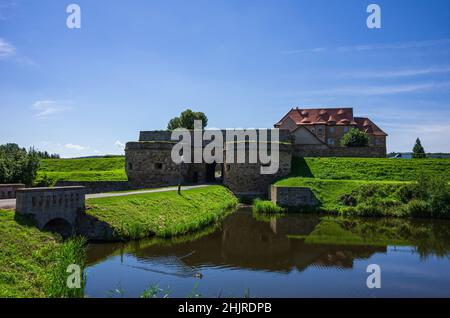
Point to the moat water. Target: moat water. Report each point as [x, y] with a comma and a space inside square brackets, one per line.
[290, 256]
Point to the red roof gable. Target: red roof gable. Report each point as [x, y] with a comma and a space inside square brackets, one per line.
[365, 124]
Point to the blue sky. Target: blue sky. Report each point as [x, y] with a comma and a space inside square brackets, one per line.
[135, 64]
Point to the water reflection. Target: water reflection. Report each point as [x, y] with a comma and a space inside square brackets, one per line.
[286, 245]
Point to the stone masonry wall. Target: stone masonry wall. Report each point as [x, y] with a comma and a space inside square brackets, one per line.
[293, 196]
[98, 186]
[8, 191]
[246, 180]
[43, 205]
[324, 151]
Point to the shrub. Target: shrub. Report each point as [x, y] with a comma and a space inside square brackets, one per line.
[261, 206]
[355, 138]
[418, 208]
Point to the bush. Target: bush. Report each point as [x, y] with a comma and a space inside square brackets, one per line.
[355, 138]
[418, 208]
[261, 206]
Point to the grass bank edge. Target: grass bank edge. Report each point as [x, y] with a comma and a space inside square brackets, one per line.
[33, 264]
[163, 214]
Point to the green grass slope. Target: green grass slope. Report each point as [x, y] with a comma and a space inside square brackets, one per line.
[89, 169]
[33, 264]
[163, 214]
[368, 168]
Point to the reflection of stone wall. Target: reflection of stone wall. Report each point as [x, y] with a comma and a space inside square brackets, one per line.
[8, 191]
[293, 196]
[325, 151]
[43, 205]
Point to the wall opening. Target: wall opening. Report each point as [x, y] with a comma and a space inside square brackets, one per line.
[59, 226]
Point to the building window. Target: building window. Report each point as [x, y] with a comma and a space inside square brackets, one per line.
[158, 166]
[130, 166]
[228, 167]
[331, 141]
[332, 130]
[345, 129]
[320, 132]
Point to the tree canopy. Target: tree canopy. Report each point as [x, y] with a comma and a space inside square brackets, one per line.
[186, 120]
[17, 165]
[418, 150]
[355, 138]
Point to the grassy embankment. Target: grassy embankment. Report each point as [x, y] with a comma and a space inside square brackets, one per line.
[375, 187]
[34, 263]
[89, 169]
[163, 214]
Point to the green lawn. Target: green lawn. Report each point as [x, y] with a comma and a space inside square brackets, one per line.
[368, 168]
[163, 214]
[33, 263]
[90, 169]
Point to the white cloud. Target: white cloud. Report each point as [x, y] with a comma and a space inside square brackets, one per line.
[119, 145]
[380, 90]
[6, 49]
[394, 46]
[372, 47]
[46, 108]
[400, 73]
[74, 147]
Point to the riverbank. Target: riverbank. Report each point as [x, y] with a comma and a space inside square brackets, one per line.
[374, 186]
[33, 264]
[163, 214]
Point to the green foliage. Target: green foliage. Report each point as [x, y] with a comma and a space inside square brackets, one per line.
[266, 207]
[355, 138]
[418, 151]
[17, 165]
[186, 120]
[163, 214]
[381, 169]
[85, 169]
[429, 196]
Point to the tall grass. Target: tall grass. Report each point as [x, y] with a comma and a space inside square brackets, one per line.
[266, 207]
[71, 252]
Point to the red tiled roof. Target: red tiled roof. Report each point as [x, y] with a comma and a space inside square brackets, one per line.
[340, 116]
[365, 124]
[331, 116]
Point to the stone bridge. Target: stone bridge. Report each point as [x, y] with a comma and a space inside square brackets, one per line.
[54, 209]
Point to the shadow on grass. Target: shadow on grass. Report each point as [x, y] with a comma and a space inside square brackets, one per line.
[300, 168]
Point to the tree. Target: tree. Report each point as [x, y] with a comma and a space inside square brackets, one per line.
[17, 165]
[355, 138]
[186, 120]
[418, 151]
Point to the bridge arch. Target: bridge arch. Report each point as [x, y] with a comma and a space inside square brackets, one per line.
[59, 225]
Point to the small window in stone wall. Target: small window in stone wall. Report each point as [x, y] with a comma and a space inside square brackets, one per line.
[130, 166]
[332, 130]
[158, 166]
[228, 167]
[330, 141]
